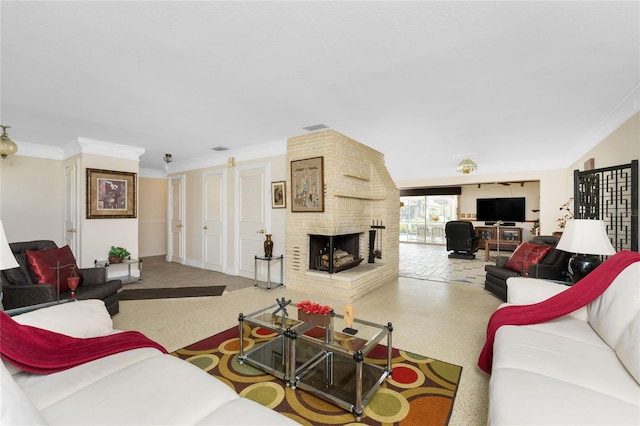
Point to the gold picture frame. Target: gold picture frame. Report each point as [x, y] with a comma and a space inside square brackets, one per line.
[111, 194]
[307, 185]
[278, 195]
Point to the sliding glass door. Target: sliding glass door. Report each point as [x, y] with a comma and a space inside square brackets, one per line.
[422, 218]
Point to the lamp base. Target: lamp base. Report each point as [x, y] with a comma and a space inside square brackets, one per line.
[581, 265]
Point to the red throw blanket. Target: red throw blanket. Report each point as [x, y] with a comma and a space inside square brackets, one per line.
[575, 297]
[42, 351]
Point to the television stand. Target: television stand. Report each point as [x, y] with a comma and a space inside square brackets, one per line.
[510, 237]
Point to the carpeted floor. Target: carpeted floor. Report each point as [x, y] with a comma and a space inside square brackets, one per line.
[421, 391]
[158, 273]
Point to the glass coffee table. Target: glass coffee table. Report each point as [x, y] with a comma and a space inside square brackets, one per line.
[319, 359]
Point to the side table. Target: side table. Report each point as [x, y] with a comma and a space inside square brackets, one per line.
[128, 262]
[267, 284]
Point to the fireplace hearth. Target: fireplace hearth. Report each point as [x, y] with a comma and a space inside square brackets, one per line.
[334, 253]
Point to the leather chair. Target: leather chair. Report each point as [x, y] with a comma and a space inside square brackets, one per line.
[552, 267]
[19, 289]
[461, 239]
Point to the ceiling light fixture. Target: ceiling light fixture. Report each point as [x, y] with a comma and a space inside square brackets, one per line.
[8, 147]
[466, 166]
[167, 159]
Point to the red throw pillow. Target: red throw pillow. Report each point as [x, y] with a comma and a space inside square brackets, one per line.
[42, 264]
[526, 252]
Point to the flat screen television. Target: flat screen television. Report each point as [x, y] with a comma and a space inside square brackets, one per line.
[504, 209]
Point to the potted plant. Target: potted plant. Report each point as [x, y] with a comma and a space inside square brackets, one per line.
[116, 254]
[314, 313]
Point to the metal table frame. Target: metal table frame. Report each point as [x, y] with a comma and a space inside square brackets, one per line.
[293, 370]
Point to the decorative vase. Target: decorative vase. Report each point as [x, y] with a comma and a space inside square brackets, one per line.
[114, 259]
[268, 246]
[315, 319]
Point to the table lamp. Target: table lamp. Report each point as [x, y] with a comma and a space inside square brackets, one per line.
[7, 259]
[587, 239]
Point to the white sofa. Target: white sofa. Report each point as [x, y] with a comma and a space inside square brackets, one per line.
[580, 369]
[136, 387]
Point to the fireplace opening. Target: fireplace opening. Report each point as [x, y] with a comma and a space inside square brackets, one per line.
[345, 250]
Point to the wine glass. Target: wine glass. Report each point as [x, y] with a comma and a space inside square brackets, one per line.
[73, 285]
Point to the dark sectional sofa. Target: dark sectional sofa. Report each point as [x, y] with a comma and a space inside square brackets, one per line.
[19, 289]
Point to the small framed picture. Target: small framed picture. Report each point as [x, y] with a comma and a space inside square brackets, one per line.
[278, 195]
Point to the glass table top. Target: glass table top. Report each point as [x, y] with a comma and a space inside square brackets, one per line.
[367, 334]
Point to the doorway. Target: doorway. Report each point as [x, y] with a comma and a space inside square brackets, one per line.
[423, 217]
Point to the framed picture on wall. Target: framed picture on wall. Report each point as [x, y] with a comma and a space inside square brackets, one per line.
[307, 185]
[278, 195]
[111, 194]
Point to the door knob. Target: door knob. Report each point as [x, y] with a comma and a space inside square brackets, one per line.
[260, 231]
[205, 227]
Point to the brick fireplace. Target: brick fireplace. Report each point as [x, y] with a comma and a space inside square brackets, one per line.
[358, 192]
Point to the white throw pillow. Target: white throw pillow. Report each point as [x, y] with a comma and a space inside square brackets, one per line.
[15, 407]
[611, 313]
[84, 318]
[628, 348]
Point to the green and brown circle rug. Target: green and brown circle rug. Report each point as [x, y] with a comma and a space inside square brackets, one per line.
[421, 390]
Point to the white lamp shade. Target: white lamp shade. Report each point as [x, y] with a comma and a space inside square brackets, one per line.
[585, 236]
[7, 259]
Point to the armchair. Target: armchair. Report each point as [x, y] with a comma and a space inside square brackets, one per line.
[462, 239]
[19, 289]
[552, 267]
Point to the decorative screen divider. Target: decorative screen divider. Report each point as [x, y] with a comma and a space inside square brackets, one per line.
[610, 194]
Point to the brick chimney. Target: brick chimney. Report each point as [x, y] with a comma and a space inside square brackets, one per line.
[358, 193]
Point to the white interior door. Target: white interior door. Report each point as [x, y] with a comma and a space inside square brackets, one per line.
[213, 240]
[176, 220]
[71, 209]
[252, 217]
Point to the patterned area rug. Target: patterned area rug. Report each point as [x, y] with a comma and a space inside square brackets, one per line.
[421, 391]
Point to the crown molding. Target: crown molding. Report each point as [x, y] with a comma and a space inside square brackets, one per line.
[110, 149]
[152, 174]
[26, 149]
[269, 149]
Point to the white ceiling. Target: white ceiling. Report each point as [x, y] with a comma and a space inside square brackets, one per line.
[514, 85]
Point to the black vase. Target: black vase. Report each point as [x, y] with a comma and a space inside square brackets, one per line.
[268, 246]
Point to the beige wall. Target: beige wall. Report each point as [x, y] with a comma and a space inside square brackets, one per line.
[554, 190]
[32, 199]
[620, 147]
[530, 190]
[152, 217]
[194, 181]
[98, 235]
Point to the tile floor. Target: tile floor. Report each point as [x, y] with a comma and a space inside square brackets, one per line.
[431, 262]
